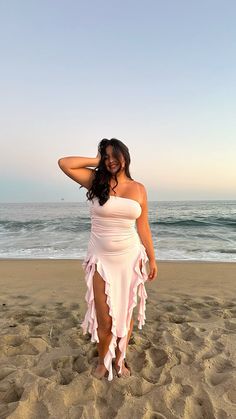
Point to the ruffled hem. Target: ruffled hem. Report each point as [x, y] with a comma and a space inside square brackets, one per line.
[90, 321]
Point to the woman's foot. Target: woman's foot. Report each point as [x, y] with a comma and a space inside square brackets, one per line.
[125, 370]
[100, 371]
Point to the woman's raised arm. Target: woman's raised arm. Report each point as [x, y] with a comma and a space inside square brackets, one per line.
[77, 168]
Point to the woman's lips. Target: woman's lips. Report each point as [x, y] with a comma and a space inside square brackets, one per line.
[112, 166]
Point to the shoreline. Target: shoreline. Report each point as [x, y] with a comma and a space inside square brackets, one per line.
[157, 260]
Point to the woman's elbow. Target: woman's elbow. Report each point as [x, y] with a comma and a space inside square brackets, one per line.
[60, 161]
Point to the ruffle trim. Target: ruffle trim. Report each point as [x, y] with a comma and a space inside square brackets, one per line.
[90, 321]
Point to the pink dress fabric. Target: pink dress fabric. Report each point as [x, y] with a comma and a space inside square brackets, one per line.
[115, 248]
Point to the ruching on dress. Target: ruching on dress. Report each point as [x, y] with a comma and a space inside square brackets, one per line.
[90, 321]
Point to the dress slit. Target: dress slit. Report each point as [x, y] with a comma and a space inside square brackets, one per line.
[90, 324]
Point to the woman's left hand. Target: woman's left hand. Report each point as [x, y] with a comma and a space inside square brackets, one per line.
[152, 270]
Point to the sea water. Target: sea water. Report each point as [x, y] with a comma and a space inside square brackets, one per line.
[181, 230]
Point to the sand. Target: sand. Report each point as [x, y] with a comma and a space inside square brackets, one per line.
[183, 361]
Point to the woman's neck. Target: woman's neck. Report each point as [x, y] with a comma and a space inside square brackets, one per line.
[121, 180]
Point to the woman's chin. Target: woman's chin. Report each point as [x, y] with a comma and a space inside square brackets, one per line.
[114, 169]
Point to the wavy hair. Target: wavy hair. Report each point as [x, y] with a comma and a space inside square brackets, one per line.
[100, 186]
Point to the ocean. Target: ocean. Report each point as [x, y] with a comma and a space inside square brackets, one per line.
[181, 230]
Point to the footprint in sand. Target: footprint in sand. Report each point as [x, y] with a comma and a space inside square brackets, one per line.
[63, 367]
[189, 334]
[79, 364]
[16, 346]
[199, 405]
[66, 376]
[139, 361]
[176, 395]
[211, 346]
[215, 334]
[154, 361]
[12, 340]
[183, 357]
[10, 392]
[217, 370]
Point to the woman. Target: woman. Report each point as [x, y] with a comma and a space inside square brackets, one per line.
[115, 269]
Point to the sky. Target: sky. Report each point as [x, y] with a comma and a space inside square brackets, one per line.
[159, 75]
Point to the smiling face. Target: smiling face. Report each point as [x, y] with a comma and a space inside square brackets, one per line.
[113, 164]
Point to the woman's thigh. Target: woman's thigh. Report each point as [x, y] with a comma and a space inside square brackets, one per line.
[102, 309]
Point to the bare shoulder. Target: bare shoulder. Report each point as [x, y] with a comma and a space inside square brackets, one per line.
[140, 186]
[141, 191]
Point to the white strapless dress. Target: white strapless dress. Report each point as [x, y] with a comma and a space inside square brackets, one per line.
[115, 248]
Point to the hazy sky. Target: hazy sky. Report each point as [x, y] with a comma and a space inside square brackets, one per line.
[158, 75]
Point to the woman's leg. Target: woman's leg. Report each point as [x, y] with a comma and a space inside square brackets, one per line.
[125, 371]
[104, 322]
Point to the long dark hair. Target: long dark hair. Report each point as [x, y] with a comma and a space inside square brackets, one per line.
[100, 185]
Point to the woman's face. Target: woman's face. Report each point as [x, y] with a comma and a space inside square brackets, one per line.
[112, 164]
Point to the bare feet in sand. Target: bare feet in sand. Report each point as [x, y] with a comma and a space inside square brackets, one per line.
[100, 371]
[125, 370]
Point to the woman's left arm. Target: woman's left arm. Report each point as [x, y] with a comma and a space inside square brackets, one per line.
[145, 235]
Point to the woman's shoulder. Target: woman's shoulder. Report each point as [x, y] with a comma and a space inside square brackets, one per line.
[140, 190]
[139, 185]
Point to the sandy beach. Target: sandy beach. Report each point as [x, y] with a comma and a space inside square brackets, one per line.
[183, 361]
